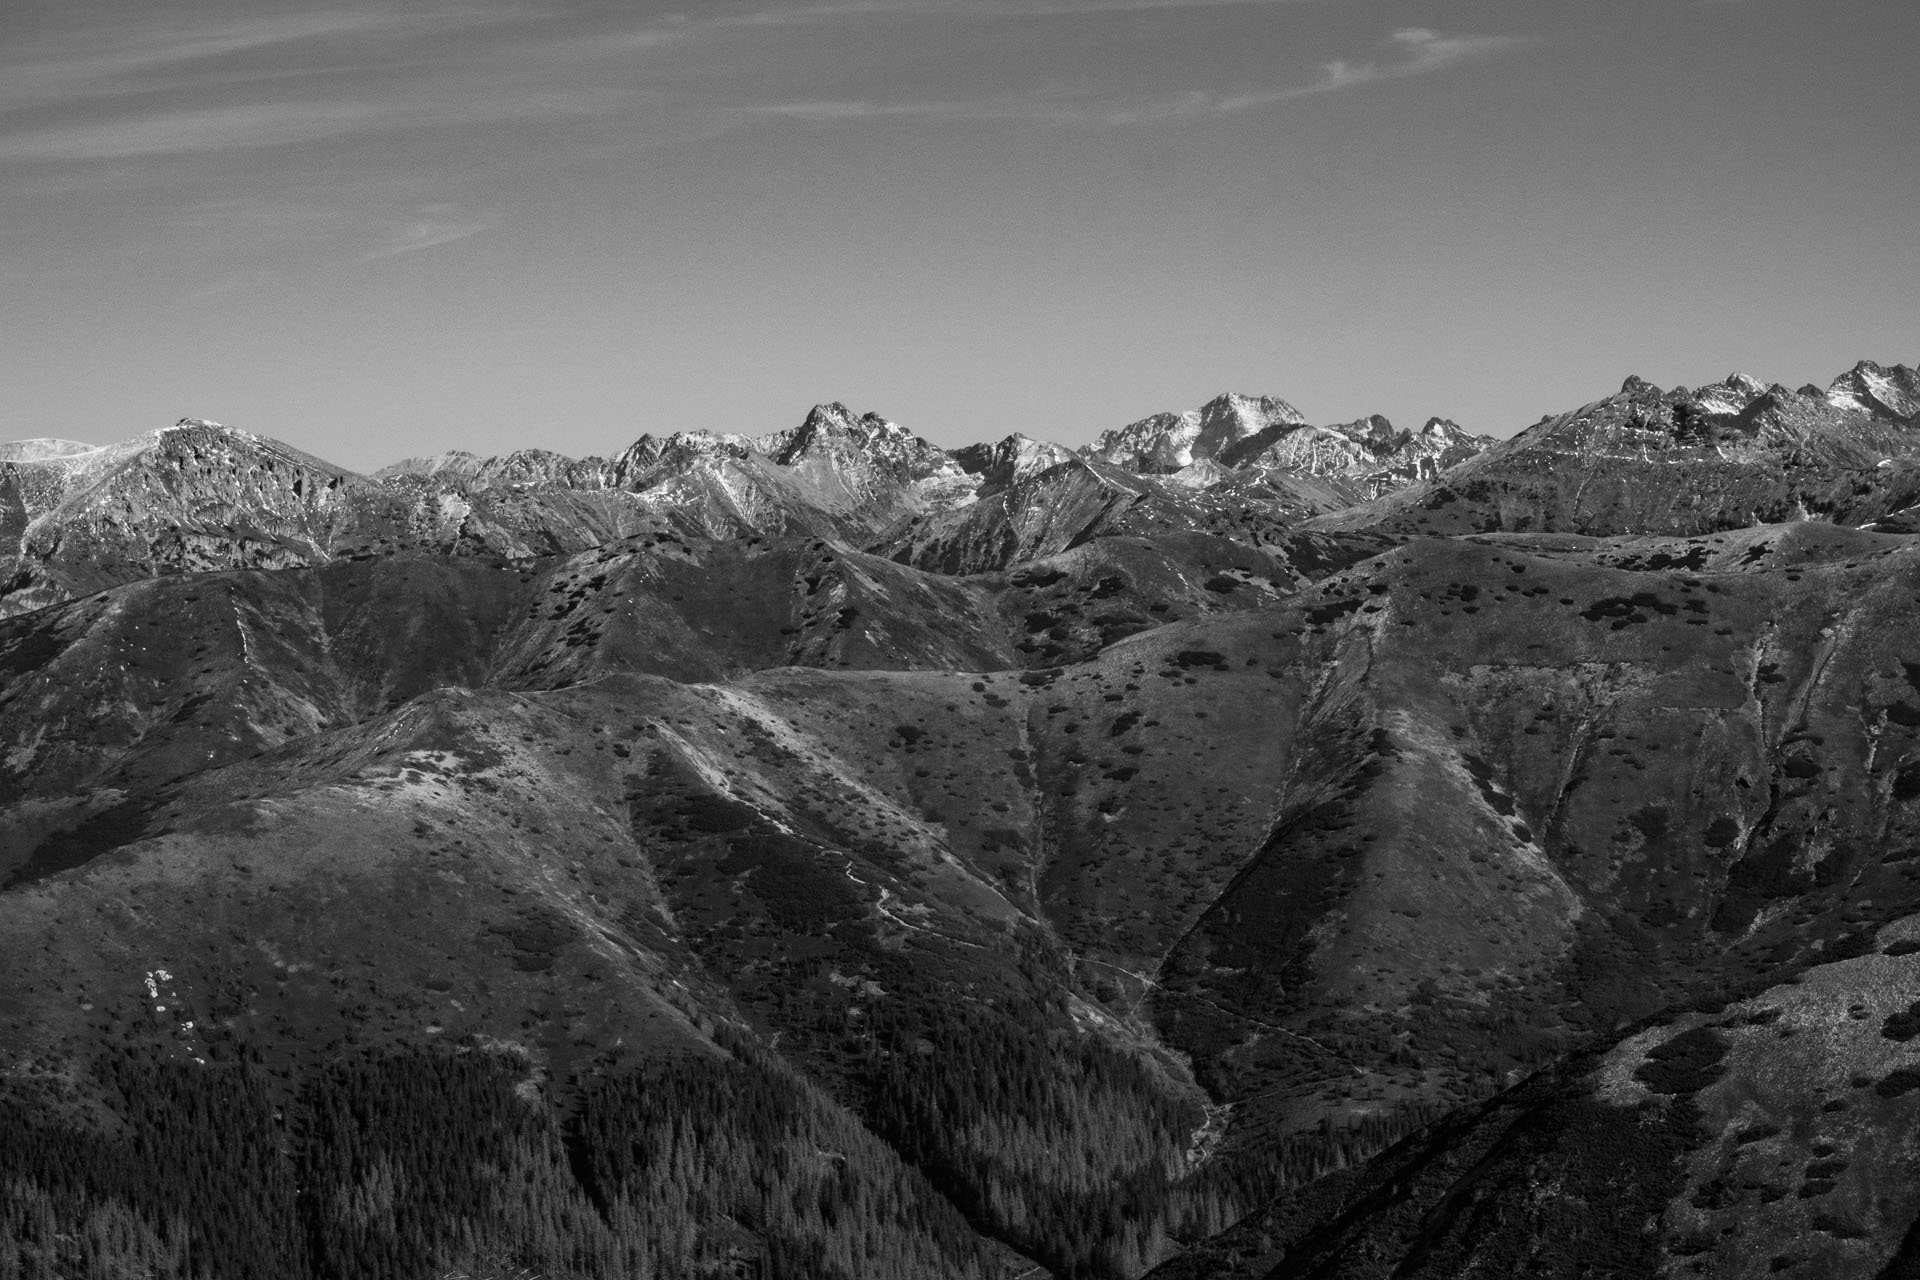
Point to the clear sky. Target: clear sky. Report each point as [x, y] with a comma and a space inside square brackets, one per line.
[375, 231]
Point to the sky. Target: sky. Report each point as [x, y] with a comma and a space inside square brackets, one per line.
[376, 231]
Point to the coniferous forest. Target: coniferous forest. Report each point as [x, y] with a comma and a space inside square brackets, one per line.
[463, 1163]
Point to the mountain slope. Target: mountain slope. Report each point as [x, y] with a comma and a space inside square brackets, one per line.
[539, 864]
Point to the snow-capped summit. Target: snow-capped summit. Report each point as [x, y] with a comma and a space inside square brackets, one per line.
[1732, 394]
[1166, 442]
[1883, 392]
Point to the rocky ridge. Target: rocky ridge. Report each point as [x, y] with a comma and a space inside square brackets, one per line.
[199, 495]
[1681, 461]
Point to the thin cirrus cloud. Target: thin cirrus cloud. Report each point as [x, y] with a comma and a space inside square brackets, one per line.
[833, 10]
[1419, 51]
[148, 92]
[249, 126]
[1415, 51]
[147, 96]
[92, 66]
[431, 229]
[180, 132]
[364, 221]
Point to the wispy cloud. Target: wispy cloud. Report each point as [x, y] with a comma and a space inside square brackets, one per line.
[157, 56]
[254, 82]
[1415, 51]
[831, 10]
[366, 222]
[432, 227]
[178, 132]
[251, 126]
[109, 105]
[160, 89]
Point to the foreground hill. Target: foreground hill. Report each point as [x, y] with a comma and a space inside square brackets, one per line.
[1086, 878]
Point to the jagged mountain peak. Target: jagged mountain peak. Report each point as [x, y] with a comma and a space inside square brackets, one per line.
[835, 414]
[1375, 430]
[837, 429]
[1164, 443]
[1732, 394]
[1009, 460]
[1880, 390]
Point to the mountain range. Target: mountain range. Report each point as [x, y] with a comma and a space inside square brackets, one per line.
[1236, 848]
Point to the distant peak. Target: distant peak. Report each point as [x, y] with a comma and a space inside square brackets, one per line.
[835, 413]
[831, 411]
[1269, 409]
[1890, 391]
